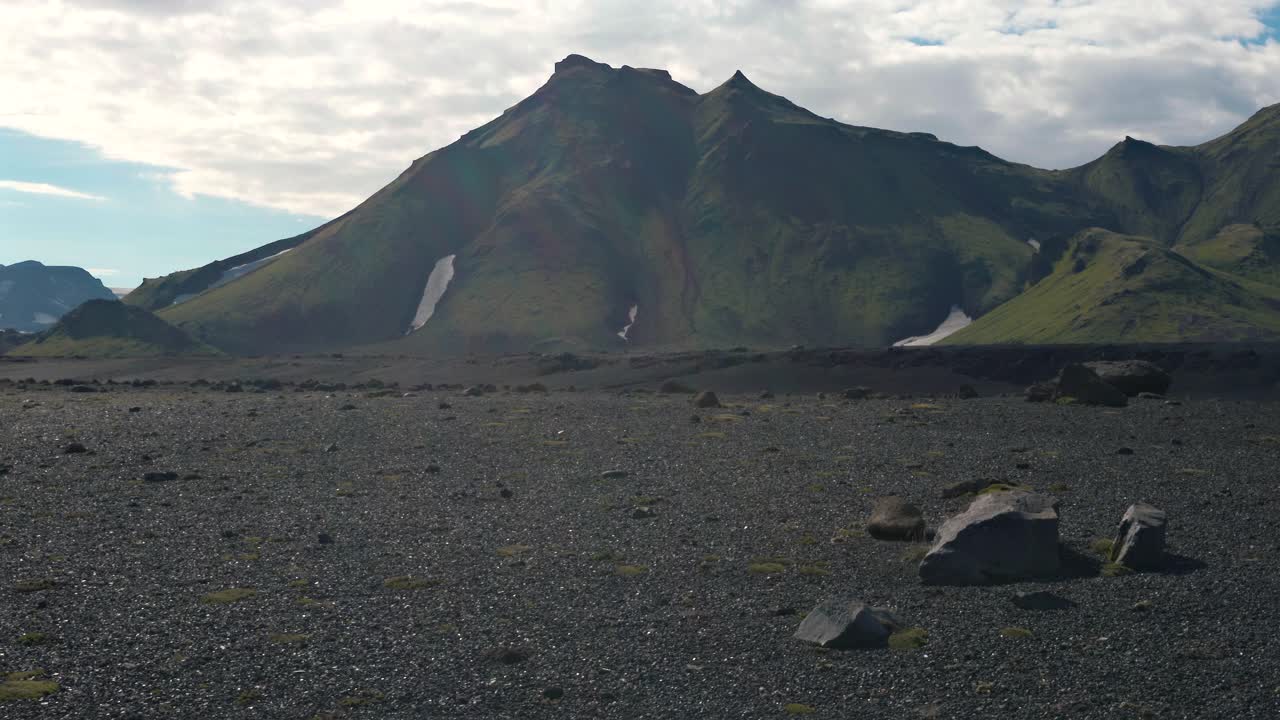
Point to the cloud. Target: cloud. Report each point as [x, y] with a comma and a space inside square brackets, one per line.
[312, 105]
[102, 272]
[45, 189]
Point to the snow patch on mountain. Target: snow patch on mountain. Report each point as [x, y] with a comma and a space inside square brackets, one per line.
[1034, 243]
[437, 283]
[631, 320]
[954, 322]
[234, 273]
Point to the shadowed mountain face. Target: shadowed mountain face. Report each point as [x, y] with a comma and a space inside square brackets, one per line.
[33, 296]
[731, 217]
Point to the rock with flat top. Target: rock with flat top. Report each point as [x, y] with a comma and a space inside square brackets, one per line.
[1139, 542]
[1001, 537]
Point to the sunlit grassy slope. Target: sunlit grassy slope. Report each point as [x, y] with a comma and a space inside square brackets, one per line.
[1112, 288]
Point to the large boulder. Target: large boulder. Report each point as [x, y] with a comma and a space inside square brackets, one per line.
[845, 624]
[895, 519]
[1084, 385]
[1132, 377]
[1139, 542]
[1002, 536]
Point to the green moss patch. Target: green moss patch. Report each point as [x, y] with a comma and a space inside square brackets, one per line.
[34, 585]
[407, 582]
[910, 639]
[1116, 570]
[513, 550]
[1102, 546]
[1016, 633]
[27, 685]
[630, 570]
[228, 596]
[798, 709]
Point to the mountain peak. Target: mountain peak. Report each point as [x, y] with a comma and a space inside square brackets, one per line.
[740, 80]
[576, 61]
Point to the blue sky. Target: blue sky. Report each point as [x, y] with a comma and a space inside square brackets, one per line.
[140, 137]
[134, 225]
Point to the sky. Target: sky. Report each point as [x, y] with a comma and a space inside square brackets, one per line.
[140, 137]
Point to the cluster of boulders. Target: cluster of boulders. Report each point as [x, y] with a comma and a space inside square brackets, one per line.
[1109, 383]
[1003, 536]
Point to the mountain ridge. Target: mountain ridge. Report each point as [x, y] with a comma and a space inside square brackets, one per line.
[723, 218]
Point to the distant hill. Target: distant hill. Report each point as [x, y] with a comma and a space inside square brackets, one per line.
[110, 328]
[33, 296]
[616, 208]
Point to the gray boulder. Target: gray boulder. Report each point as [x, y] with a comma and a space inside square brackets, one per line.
[1083, 384]
[1139, 542]
[1002, 536]
[845, 624]
[1132, 377]
[706, 399]
[895, 519]
[857, 393]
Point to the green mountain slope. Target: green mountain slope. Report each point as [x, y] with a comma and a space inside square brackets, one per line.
[730, 217]
[109, 328]
[1108, 287]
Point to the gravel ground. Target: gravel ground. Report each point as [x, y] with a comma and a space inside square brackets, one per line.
[527, 589]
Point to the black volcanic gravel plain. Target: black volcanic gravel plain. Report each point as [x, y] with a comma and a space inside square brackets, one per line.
[331, 555]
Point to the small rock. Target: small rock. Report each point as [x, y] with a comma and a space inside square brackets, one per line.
[1139, 543]
[1142, 606]
[857, 393]
[154, 477]
[844, 624]
[1150, 396]
[444, 406]
[432, 469]
[967, 392]
[74, 449]
[83, 389]
[706, 399]
[1041, 600]
[332, 448]
[1041, 392]
[506, 493]
[473, 391]
[1124, 451]
[766, 395]
[895, 519]
[643, 512]
[782, 611]
[613, 474]
[324, 538]
[135, 409]
[1083, 384]
[694, 420]
[553, 693]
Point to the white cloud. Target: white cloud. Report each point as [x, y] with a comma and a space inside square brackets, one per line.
[102, 272]
[312, 105]
[45, 189]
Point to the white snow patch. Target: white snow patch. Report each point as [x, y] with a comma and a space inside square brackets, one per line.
[631, 320]
[955, 321]
[437, 283]
[227, 276]
[1034, 243]
[43, 319]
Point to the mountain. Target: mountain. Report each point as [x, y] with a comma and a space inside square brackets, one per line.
[110, 328]
[33, 296]
[1109, 287]
[618, 208]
